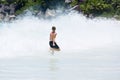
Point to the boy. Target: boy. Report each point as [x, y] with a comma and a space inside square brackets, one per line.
[52, 42]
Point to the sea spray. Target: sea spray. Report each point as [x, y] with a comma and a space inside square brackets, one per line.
[29, 35]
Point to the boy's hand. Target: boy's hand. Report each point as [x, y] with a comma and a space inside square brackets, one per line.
[53, 44]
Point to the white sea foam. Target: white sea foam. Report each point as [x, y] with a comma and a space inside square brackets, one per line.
[30, 36]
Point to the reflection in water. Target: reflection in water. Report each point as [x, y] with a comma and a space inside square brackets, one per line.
[53, 68]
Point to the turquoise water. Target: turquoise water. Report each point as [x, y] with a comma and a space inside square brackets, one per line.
[85, 66]
[90, 49]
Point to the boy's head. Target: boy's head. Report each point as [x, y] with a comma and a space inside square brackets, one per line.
[53, 28]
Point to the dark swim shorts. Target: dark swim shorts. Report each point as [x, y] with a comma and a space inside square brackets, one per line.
[53, 46]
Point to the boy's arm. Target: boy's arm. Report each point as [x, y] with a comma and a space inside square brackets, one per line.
[54, 39]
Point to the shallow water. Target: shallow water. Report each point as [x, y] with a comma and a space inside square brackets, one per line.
[90, 49]
[61, 66]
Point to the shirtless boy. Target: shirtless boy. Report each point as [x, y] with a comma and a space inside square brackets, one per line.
[52, 42]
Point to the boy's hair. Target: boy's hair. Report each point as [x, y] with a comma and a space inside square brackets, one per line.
[53, 28]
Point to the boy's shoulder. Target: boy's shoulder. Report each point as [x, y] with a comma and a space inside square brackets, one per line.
[53, 33]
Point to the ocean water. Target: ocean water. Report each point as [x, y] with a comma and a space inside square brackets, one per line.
[90, 49]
